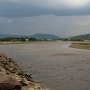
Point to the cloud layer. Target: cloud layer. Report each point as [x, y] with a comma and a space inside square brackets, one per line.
[59, 25]
[51, 3]
[26, 8]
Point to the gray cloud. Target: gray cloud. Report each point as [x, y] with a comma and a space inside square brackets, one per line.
[59, 25]
[26, 8]
[60, 17]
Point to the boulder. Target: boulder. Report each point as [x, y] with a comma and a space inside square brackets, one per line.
[9, 83]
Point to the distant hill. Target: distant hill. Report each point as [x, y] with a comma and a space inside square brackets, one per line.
[37, 36]
[45, 36]
[83, 37]
[8, 35]
[5, 35]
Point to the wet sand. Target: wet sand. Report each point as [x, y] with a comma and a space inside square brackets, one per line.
[54, 64]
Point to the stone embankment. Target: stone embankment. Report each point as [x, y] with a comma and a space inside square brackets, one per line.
[13, 78]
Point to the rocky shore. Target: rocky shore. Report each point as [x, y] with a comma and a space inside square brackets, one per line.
[12, 76]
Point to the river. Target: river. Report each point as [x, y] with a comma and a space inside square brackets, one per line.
[53, 64]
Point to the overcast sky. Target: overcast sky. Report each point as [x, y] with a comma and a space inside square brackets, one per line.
[60, 17]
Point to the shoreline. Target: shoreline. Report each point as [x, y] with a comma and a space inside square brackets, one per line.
[20, 42]
[12, 77]
[81, 45]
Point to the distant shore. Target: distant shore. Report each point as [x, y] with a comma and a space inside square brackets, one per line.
[21, 42]
[81, 45]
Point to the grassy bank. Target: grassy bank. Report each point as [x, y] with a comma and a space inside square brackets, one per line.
[16, 42]
[21, 42]
[81, 45]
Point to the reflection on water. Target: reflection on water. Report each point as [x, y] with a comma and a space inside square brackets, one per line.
[53, 63]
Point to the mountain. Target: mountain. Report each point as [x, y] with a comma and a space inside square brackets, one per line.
[83, 37]
[45, 36]
[37, 36]
[8, 35]
[4, 35]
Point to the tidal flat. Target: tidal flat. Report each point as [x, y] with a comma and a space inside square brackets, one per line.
[81, 45]
[53, 64]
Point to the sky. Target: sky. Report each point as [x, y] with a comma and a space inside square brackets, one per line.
[59, 17]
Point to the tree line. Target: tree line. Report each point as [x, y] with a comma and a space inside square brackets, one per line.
[25, 39]
[13, 39]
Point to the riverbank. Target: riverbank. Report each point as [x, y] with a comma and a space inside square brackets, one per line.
[23, 42]
[81, 45]
[12, 76]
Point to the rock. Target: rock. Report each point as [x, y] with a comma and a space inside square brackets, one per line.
[2, 55]
[24, 82]
[27, 88]
[9, 83]
[9, 86]
[13, 78]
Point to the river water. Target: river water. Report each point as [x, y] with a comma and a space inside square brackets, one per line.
[53, 64]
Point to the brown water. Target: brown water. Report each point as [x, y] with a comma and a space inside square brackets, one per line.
[53, 63]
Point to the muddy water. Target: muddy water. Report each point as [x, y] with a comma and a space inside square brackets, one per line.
[53, 63]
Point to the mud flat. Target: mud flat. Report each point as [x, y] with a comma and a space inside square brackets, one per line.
[82, 45]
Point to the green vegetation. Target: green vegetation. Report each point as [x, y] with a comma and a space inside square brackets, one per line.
[72, 39]
[22, 40]
[81, 37]
[85, 37]
[13, 39]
